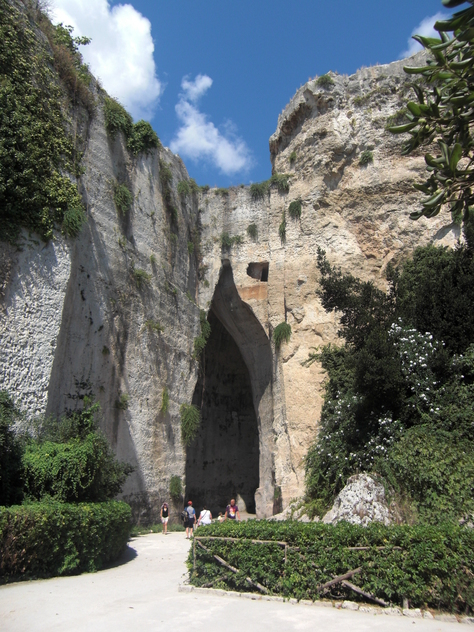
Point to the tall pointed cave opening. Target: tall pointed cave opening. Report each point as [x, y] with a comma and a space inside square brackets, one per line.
[231, 453]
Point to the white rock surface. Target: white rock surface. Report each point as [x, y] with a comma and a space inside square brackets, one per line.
[362, 501]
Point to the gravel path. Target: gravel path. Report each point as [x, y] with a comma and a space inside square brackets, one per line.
[142, 593]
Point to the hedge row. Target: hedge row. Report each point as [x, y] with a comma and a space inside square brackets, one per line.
[51, 538]
[431, 566]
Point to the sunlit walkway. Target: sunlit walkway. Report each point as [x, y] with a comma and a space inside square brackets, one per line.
[141, 594]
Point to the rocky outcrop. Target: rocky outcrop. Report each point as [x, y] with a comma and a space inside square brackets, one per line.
[361, 501]
[114, 312]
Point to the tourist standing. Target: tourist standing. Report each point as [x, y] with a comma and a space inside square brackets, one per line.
[164, 514]
[191, 519]
[232, 511]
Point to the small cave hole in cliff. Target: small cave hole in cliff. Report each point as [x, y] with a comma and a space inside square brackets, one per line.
[258, 271]
[223, 461]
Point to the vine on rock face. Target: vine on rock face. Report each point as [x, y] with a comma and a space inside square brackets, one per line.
[190, 422]
[35, 148]
[201, 341]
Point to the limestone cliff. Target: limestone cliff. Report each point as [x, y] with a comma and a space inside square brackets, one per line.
[81, 316]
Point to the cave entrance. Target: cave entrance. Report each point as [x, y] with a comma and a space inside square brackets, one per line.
[231, 455]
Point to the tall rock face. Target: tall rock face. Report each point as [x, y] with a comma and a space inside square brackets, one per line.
[114, 313]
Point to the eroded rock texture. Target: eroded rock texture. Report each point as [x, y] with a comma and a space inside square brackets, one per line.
[85, 315]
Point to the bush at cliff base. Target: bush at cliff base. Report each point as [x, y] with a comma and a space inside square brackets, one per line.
[430, 566]
[47, 539]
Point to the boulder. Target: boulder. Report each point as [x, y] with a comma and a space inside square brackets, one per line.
[360, 502]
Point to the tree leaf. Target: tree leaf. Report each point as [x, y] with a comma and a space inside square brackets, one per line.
[455, 157]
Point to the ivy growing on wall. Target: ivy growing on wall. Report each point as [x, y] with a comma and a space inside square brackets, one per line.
[35, 148]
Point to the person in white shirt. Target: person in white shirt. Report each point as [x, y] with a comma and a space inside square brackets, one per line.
[205, 517]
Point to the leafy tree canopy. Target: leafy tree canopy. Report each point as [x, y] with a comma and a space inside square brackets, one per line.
[442, 115]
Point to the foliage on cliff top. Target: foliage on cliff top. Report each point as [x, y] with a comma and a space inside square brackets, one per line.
[443, 113]
[399, 394]
[428, 565]
[35, 147]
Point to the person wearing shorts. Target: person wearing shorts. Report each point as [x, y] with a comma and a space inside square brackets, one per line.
[190, 520]
[164, 514]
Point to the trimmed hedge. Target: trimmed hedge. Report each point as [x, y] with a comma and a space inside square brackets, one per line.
[51, 538]
[431, 566]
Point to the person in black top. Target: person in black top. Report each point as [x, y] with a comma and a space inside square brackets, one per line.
[164, 513]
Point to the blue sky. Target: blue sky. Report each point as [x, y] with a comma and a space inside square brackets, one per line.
[212, 76]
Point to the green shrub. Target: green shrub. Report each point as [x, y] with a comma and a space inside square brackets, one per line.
[282, 230]
[166, 178]
[76, 471]
[117, 119]
[294, 209]
[292, 157]
[154, 325]
[36, 149]
[281, 333]
[176, 488]
[122, 402]
[227, 241]
[11, 451]
[123, 198]
[183, 188]
[190, 422]
[201, 340]
[428, 565]
[366, 157]
[252, 231]
[51, 538]
[222, 192]
[165, 401]
[190, 247]
[141, 277]
[325, 81]
[258, 190]
[281, 181]
[74, 219]
[142, 138]
[204, 188]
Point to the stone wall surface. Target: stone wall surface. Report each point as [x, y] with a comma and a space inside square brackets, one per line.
[76, 321]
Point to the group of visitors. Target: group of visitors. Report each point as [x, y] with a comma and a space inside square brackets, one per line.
[205, 517]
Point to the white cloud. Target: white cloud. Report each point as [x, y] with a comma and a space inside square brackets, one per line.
[199, 139]
[194, 90]
[424, 28]
[121, 51]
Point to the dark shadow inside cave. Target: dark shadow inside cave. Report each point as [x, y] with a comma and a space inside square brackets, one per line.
[223, 461]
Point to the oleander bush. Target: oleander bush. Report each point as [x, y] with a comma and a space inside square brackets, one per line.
[431, 566]
[50, 538]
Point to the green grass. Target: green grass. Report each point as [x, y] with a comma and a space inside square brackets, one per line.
[141, 277]
[366, 157]
[281, 333]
